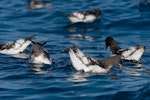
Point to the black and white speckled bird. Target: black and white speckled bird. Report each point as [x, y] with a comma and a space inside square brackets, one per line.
[133, 53]
[86, 64]
[39, 55]
[36, 4]
[15, 47]
[85, 16]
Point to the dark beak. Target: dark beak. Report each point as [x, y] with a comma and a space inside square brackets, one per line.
[68, 49]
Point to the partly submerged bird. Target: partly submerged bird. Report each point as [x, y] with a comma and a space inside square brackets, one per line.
[85, 16]
[86, 64]
[133, 53]
[36, 4]
[15, 47]
[39, 55]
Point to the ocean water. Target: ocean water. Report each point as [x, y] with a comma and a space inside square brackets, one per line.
[125, 20]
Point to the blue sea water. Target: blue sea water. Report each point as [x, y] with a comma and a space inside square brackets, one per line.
[125, 20]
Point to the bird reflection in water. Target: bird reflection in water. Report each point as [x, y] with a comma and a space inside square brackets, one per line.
[21, 55]
[133, 70]
[37, 69]
[86, 37]
[83, 27]
[78, 77]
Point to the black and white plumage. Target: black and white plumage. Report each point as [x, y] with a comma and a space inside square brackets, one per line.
[39, 55]
[36, 4]
[15, 47]
[133, 53]
[85, 16]
[83, 63]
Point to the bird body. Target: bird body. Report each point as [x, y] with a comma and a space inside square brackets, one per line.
[85, 16]
[83, 63]
[15, 47]
[132, 53]
[39, 55]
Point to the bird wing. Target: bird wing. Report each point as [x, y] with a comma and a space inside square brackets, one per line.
[133, 53]
[85, 59]
[128, 52]
[7, 45]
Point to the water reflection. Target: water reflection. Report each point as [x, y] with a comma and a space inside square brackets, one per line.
[90, 38]
[21, 55]
[37, 69]
[83, 27]
[78, 77]
[133, 70]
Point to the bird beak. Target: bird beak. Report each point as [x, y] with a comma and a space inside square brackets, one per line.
[68, 49]
[145, 47]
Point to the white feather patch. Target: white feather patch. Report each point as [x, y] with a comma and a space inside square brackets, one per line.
[19, 46]
[41, 59]
[133, 53]
[79, 63]
[79, 17]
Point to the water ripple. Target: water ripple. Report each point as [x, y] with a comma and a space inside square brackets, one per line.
[126, 21]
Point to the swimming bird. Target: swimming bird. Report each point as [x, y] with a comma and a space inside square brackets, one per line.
[133, 53]
[15, 47]
[39, 55]
[85, 16]
[87, 64]
[36, 4]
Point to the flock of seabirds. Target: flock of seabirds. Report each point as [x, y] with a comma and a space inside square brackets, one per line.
[80, 61]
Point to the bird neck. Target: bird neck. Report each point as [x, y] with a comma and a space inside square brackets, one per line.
[114, 48]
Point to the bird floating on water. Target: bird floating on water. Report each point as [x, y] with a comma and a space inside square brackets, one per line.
[39, 55]
[36, 4]
[15, 47]
[86, 64]
[133, 53]
[85, 16]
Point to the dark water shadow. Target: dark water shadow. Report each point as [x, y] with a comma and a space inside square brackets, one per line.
[40, 69]
[144, 8]
[83, 27]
